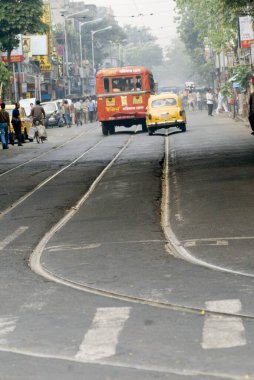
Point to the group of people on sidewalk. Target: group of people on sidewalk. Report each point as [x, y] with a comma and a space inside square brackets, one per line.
[5, 126]
[37, 113]
[80, 112]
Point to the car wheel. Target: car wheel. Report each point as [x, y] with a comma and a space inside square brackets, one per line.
[183, 127]
[60, 123]
[104, 129]
[150, 131]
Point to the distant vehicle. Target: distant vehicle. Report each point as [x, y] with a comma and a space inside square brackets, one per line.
[122, 97]
[54, 117]
[26, 122]
[165, 111]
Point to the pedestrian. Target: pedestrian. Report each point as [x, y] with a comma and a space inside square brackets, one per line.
[209, 101]
[4, 126]
[16, 123]
[67, 113]
[251, 112]
[91, 110]
[221, 103]
[78, 110]
[85, 110]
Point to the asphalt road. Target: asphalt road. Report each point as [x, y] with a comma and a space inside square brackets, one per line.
[97, 283]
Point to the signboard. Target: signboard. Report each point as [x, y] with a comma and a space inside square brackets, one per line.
[45, 64]
[246, 31]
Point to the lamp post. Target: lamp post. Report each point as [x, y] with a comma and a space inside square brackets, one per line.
[80, 46]
[93, 32]
[66, 17]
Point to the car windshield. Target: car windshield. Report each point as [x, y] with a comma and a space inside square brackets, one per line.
[49, 107]
[163, 102]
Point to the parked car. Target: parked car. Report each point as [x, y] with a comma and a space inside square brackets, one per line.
[54, 117]
[26, 122]
[165, 111]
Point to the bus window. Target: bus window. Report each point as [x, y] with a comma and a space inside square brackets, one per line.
[138, 83]
[122, 84]
[106, 85]
[151, 83]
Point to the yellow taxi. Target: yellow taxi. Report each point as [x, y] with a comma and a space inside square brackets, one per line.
[165, 111]
[26, 122]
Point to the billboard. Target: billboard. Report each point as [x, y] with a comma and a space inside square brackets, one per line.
[246, 32]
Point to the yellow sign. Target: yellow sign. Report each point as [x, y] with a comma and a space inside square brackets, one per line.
[110, 102]
[46, 67]
[137, 99]
[112, 109]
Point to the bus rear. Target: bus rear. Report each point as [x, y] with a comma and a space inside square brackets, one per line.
[122, 97]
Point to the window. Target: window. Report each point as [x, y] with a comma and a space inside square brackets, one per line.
[138, 83]
[163, 102]
[122, 84]
[106, 85]
[151, 81]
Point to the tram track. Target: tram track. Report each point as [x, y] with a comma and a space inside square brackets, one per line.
[54, 148]
[172, 246]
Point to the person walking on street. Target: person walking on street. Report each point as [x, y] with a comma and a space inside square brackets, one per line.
[91, 110]
[221, 103]
[67, 113]
[251, 112]
[16, 122]
[209, 101]
[4, 126]
[85, 110]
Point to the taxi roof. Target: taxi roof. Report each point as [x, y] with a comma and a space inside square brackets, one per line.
[164, 95]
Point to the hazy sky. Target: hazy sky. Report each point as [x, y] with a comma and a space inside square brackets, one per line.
[161, 22]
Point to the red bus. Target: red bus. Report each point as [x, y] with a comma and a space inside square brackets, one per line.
[122, 97]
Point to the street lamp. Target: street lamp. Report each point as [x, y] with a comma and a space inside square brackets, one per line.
[80, 45]
[93, 32]
[66, 17]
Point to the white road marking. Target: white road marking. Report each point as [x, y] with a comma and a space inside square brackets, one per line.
[223, 331]
[12, 237]
[7, 325]
[71, 248]
[101, 339]
[194, 243]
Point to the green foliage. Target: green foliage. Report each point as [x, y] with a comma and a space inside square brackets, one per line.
[243, 74]
[226, 90]
[19, 17]
[4, 75]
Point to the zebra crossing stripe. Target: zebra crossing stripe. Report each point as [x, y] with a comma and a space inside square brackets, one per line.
[223, 331]
[102, 338]
[12, 237]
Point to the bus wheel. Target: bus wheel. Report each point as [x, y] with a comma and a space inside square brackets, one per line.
[104, 129]
[111, 129]
[144, 127]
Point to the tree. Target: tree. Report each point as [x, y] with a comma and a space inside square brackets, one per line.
[142, 48]
[19, 17]
[4, 78]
